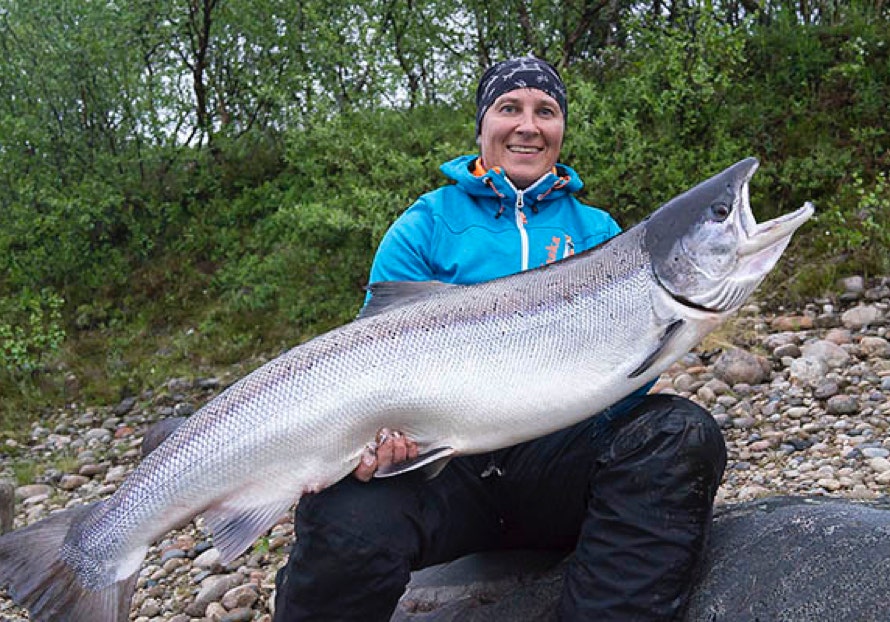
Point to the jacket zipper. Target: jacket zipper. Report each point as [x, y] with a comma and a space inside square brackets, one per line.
[520, 224]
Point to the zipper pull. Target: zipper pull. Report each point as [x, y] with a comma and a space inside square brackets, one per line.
[520, 203]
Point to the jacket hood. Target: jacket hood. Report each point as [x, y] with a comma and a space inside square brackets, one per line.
[495, 183]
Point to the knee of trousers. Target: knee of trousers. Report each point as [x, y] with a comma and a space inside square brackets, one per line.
[353, 518]
[681, 428]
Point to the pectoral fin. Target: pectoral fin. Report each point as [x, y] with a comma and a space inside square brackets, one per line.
[666, 336]
[431, 463]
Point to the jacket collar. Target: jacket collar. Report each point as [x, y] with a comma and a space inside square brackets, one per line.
[494, 183]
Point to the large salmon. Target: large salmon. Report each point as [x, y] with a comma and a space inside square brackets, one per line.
[459, 369]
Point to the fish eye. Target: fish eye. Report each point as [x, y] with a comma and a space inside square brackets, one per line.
[720, 211]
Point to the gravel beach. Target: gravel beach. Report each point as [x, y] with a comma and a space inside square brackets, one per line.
[802, 395]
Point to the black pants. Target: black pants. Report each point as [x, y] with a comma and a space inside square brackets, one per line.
[630, 490]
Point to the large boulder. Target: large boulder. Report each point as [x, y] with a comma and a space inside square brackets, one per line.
[778, 559]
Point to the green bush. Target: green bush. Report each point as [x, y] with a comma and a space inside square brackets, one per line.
[31, 331]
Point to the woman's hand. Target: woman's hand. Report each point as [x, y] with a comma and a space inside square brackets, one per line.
[391, 447]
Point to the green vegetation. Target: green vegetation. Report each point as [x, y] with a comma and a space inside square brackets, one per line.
[182, 189]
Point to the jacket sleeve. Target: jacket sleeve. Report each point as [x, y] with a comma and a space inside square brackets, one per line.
[405, 252]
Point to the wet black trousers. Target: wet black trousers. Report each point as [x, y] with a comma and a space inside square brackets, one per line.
[629, 490]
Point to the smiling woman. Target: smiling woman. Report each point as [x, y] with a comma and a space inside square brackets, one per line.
[522, 133]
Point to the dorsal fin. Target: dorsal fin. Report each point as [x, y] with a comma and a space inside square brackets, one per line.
[387, 295]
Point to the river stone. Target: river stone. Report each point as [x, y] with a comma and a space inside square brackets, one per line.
[808, 370]
[859, 317]
[877, 293]
[875, 346]
[826, 389]
[789, 349]
[853, 284]
[792, 323]
[839, 336]
[841, 405]
[240, 597]
[736, 365]
[830, 353]
[212, 589]
[125, 406]
[778, 559]
[32, 490]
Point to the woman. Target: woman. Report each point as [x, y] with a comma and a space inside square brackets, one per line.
[629, 490]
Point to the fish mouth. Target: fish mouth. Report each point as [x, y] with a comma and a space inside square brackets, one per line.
[759, 249]
[766, 236]
[761, 237]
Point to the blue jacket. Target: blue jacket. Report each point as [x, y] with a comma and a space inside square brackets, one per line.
[482, 227]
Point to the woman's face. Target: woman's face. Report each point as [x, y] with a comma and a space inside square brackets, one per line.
[522, 133]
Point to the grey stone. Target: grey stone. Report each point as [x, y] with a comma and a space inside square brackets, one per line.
[178, 385]
[97, 434]
[72, 482]
[778, 559]
[841, 405]
[207, 559]
[183, 409]
[853, 284]
[240, 614]
[737, 365]
[209, 384]
[125, 406]
[808, 370]
[32, 490]
[212, 589]
[240, 597]
[684, 382]
[875, 452]
[792, 559]
[859, 317]
[877, 293]
[875, 346]
[789, 349]
[830, 353]
[777, 340]
[826, 389]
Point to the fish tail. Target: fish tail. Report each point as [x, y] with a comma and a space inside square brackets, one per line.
[39, 579]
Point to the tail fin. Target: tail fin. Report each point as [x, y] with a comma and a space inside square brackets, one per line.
[38, 579]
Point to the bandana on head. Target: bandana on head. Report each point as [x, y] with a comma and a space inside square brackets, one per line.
[518, 73]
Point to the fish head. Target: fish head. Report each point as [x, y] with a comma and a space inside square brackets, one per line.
[707, 249]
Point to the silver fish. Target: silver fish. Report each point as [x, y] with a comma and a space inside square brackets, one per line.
[460, 369]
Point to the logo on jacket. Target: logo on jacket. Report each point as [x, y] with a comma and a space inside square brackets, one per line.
[553, 248]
